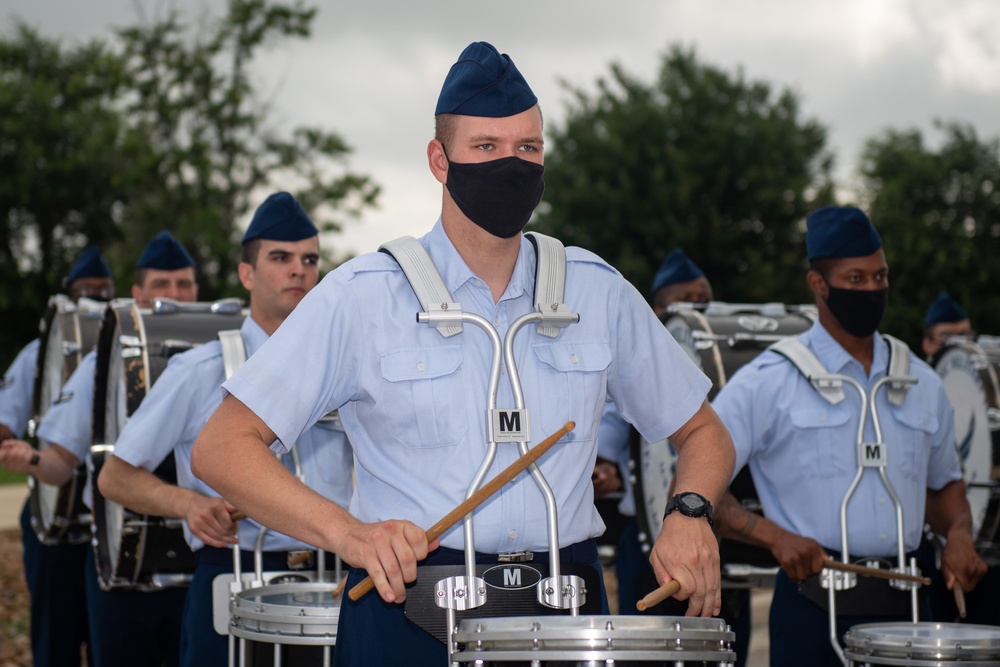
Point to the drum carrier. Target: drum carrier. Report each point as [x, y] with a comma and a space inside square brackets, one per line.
[141, 551]
[478, 638]
[68, 332]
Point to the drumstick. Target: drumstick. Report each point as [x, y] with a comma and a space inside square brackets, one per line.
[959, 598]
[236, 516]
[340, 587]
[875, 572]
[473, 501]
[659, 595]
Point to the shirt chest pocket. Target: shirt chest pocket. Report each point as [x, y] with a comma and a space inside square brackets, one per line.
[825, 441]
[909, 436]
[569, 384]
[424, 396]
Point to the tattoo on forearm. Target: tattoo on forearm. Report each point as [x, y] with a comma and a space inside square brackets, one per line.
[732, 520]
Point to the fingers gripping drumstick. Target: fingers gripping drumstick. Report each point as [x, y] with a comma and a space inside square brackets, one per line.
[665, 591]
[477, 498]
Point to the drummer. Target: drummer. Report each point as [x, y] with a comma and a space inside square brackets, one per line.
[280, 264]
[945, 319]
[54, 573]
[414, 404]
[126, 627]
[802, 453]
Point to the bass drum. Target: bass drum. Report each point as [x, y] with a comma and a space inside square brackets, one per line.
[68, 332]
[720, 338]
[135, 344]
[969, 372]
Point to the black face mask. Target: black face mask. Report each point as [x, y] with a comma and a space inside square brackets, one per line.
[858, 311]
[498, 195]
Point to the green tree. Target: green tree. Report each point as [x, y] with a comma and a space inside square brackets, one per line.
[216, 152]
[65, 148]
[938, 212]
[704, 159]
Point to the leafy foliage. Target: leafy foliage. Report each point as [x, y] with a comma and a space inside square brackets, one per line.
[703, 159]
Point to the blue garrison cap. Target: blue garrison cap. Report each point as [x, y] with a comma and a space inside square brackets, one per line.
[280, 218]
[840, 231]
[90, 264]
[484, 83]
[675, 268]
[944, 309]
[165, 253]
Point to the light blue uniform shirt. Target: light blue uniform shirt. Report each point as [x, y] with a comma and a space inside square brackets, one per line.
[16, 388]
[802, 450]
[414, 404]
[613, 444]
[177, 407]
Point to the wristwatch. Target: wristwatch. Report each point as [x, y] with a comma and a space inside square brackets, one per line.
[690, 504]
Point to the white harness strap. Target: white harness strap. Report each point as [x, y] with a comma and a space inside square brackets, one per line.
[811, 368]
[831, 389]
[550, 281]
[234, 352]
[899, 366]
[424, 278]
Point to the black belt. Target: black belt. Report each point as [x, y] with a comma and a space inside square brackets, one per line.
[273, 560]
[581, 552]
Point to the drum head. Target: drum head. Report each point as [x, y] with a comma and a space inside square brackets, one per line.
[969, 379]
[664, 639]
[923, 643]
[301, 613]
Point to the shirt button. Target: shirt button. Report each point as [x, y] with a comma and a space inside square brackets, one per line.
[420, 366]
[884, 537]
[574, 359]
[513, 534]
[496, 322]
[882, 500]
[822, 418]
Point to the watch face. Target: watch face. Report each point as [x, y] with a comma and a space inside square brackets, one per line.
[692, 502]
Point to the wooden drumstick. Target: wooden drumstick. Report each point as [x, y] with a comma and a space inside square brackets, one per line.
[875, 572]
[659, 595]
[236, 516]
[340, 587]
[477, 498]
[959, 598]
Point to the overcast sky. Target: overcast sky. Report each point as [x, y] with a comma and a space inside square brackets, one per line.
[372, 71]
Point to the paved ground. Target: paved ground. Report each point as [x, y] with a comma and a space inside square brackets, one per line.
[11, 501]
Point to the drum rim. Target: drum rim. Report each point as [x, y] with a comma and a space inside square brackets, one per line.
[917, 639]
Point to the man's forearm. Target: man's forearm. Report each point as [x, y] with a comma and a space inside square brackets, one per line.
[140, 490]
[948, 510]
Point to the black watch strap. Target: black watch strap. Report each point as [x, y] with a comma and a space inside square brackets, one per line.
[702, 507]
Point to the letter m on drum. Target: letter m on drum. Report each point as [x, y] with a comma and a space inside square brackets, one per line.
[512, 577]
[509, 425]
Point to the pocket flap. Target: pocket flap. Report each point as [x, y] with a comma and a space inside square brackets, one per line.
[407, 365]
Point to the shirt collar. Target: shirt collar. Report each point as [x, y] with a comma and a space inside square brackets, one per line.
[836, 359]
[455, 272]
[253, 335]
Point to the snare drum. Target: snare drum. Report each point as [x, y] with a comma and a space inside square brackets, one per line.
[68, 332]
[922, 645]
[969, 373]
[720, 338]
[591, 640]
[139, 551]
[292, 623]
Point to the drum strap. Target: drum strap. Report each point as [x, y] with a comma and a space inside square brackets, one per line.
[234, 351]
[830, 389]
[427, 284]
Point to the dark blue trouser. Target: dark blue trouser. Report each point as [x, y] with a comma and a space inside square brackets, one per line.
[800, 630]
[374, 632]
[200, 643]
[134, 628]
[55, 578]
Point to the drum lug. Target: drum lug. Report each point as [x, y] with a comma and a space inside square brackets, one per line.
[841, 580]
[569, 592]
[456, 593]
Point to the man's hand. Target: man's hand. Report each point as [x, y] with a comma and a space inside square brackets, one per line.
[799, 557]
[687, 551]
[389, 552]
[606, 479]
[208, 518]
[960, 562]
[16, 455]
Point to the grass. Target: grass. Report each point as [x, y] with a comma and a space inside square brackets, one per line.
[8, 477]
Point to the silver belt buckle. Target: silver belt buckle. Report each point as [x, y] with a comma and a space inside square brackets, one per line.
[516, 557]
[300, 560]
